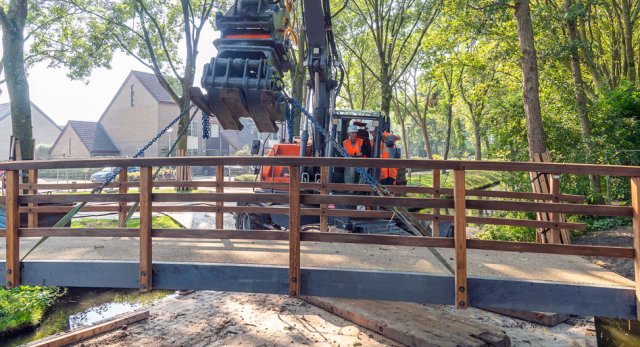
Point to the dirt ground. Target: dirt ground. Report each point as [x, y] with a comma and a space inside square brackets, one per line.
[620, 237]
[232, 319]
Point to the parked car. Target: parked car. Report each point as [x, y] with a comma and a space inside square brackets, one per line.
[103, 175]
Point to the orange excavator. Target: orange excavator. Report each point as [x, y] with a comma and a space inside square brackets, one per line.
[245, 79]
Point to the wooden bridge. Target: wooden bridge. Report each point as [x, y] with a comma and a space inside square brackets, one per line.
[593, 296]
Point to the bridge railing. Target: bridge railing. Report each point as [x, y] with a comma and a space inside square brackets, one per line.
[297, 198]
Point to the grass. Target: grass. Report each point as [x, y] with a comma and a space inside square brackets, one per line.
[473, 179]
[159, 222]
[25, 306]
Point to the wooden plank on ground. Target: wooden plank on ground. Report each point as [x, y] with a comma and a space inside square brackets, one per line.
[549, 319]
[412, 324]
[76, 336]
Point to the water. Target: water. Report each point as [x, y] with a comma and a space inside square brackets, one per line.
[82, 307]
[617, 332]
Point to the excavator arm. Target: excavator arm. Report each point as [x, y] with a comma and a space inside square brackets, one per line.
[245, 79]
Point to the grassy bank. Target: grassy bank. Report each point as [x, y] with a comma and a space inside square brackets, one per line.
[25, 306]
[159, 222]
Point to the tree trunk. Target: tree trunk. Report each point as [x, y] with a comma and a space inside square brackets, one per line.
[405, 141]
[447, 141]
[427, 142]
[385, 87]
[478, 140]
[581, 98]
[530, 84]
[628, 40]
[13, 22]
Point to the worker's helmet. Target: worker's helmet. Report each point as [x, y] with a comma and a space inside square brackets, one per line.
[352, 129]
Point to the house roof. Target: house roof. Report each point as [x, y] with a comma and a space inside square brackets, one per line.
[93, 137]
[5, 112]
[238, 139]
[152, 84]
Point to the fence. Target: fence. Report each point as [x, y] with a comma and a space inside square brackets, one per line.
[296, 199]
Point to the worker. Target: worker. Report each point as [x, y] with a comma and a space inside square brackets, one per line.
[388, 176]
[353, 145]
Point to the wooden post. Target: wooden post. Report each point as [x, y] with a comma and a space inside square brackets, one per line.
[294, 231]
[460, 239]
[123, 189]
[33, 216]
[13, 229]
[554, 234]
[435, 226]
[219, 189]
[146, 268]
[635, 203]
[324, 180]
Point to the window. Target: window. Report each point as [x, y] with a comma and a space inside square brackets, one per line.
[132, 95]
[193, 129]
[192, 152]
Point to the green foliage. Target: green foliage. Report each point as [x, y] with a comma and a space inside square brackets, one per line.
[509, 233]
[605, 223]
[160, 222]
[245, 178]
[25, 306]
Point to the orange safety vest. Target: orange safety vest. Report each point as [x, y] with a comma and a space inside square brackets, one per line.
[353, 149]
[388, 172]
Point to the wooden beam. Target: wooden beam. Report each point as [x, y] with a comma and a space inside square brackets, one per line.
[75, 336]
[435, 226]
[146, 188]
[460, 239]
[294, 231]
[123, 189]
[635, 204]
[12, 230]
[554, 236]
[324, 180]
[220, 190]
[32, 218]
[475, 165]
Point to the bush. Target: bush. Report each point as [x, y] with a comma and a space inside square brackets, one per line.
[509, 233]
[245, 178]
[25, 306]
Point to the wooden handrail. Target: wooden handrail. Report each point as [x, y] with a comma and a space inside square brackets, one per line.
[469, 165]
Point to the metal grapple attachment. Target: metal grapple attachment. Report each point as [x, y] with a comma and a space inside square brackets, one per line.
[245, 78]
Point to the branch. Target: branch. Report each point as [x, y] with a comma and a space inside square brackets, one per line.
[163, 40]
[493, 4]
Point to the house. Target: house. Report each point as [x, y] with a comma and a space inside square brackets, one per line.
[45, 130]
[137, 113]
[81, 139]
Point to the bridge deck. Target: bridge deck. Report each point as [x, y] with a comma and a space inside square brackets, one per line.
[525, 266]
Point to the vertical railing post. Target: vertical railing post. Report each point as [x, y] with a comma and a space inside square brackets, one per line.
[324, 180]
[635, 203]
[554, 188]
[219, 189]
[146, 189]
[123, 189]
[13, 229]
[32, 218]
[294, 231]
[435, 227]
[460, 239]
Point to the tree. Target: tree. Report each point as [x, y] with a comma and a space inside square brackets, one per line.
[152, 31]
[396, 28]
[13, 19]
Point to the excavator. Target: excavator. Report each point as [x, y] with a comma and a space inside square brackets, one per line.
[245, 79]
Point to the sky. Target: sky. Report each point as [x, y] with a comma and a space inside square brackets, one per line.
[63, 99]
